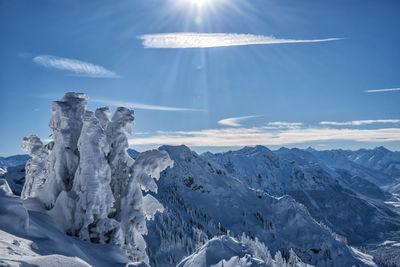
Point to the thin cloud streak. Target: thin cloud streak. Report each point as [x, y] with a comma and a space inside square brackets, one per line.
[284, 124]
[77, 67]
[357, 123]
[135, 105]
[206, 40]
[382, 90]
[235, 121]
[230, 137]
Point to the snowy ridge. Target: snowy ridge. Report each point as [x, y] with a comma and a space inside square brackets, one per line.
[380, 166]
[238, 252]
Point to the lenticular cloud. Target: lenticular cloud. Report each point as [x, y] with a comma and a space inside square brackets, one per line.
[205, 40]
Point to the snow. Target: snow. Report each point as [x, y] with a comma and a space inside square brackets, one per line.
[225, 251]
[30, 237]
[16, 251]
[151, 206]
[149, 165]
[365, 258]
[12, 212]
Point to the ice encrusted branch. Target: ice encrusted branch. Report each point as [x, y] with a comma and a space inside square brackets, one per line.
[86, 180]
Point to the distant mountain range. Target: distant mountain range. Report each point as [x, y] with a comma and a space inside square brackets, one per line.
[13, 161]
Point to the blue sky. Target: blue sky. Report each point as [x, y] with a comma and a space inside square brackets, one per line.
[263, 79]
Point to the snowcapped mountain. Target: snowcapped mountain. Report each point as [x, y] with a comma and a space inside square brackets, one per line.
[345, 178]
[380, 159]
[133, 153]
[201, 200]
[15, 177]
[379, 166]
[299, 174]
[13, 161]
[13, 170]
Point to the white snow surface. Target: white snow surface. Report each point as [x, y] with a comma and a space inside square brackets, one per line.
[226, 251]
[31, 237]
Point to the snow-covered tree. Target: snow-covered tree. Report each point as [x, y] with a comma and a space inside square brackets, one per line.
[129, 178]
[92, 182]
[120, 162]
[91, 186]
[35, 169]
[66, 125]
[135, 208]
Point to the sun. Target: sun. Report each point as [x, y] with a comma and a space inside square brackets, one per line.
[199, 3]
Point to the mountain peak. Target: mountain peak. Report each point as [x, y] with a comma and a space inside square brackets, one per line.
[255, 149]
[382, 149]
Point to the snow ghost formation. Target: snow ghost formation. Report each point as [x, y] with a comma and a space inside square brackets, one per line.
[35, 175]
[86, 180]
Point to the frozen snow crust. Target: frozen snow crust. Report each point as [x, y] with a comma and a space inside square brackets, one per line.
[30, 238]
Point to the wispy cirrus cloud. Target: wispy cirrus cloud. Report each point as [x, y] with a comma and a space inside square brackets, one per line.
[135, 105]
[74, 66]
[230, 137]
[284, 124]
[206, 40]
[235, 121]
[381, 90]
[357, 123]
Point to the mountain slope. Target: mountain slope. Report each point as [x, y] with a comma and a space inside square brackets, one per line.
[380, 159]
[202, 200]
[13, 170]
[299, 174]
[30, 238]
[379, 166]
